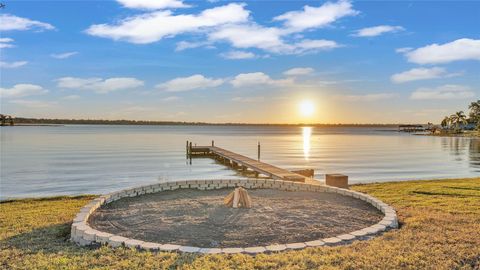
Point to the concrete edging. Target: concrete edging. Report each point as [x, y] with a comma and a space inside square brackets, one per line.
[83, 234]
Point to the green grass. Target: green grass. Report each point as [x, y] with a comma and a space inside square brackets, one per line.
[440, 229]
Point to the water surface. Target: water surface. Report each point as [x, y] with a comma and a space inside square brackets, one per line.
[79, 159]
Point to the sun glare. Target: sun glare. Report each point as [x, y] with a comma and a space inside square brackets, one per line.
[307, 108]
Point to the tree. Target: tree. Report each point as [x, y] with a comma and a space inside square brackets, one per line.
[475, 112]
[458, 119]
[446, 122]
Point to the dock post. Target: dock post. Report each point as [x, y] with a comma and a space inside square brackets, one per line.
[190, 148]
[186, 149]
[258, 151]
[213, 143]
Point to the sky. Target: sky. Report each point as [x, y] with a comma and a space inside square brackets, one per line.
[240, 61]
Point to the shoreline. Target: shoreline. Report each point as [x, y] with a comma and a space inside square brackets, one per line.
[89, 195]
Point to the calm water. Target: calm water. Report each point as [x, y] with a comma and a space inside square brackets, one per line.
[78, 159]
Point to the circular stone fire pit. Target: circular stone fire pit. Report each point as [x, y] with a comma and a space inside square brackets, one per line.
[190, 216]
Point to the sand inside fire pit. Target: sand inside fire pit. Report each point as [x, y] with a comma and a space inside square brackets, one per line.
[199, 218]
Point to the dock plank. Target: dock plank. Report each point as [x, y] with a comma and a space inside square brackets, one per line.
[255, 165]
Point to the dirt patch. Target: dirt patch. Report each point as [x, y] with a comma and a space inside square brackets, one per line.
[199, 218]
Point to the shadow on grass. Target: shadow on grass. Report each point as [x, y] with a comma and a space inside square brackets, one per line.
[49, 239]
[53, 198]
[465, 188]
[443, 194]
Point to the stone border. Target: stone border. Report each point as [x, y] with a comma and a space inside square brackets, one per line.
[83, 234]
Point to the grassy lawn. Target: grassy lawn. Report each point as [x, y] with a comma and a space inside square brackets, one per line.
[440, 229]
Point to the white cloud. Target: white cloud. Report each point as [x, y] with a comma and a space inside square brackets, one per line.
[298, 71]
[248, 99]
[251, 36]
[15, 64]
[152, 27]
[444, 92]
[11, 22]
[257, 78]
[152, 4]
[22, 90]
[416, 74]
[238, 55]
[33, 103]
[460, 49]
[316, 17]
[367, 97]
[99, 85]
[189, 83]
[6, 43]
[266, 38]
[228, 23]
[377, 30]
[63, 55]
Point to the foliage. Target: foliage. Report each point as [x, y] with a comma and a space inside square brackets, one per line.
[458, 121]
[475, 113]
[440, 229]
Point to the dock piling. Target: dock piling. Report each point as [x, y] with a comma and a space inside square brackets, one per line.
[258, 151]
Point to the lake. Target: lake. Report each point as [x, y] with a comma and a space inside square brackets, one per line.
[79, 159]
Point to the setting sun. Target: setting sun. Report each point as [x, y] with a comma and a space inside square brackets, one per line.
[306, 108]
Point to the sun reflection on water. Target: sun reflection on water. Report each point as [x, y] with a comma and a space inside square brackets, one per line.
[307, 133]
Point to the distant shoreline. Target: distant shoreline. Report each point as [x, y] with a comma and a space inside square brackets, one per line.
[20, 121]
[465, 135]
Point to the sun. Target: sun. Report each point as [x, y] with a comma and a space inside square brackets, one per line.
[307, 108]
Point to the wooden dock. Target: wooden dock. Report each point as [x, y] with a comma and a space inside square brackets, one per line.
[241, 162]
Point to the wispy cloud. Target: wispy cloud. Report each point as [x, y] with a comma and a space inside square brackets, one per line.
[460, 49]
[99, 85]
[12, 23]
[63, 55]
[152, 4]
[189, 83]
[170, 98]
[248, 99]
[403, 50]
[184, 45]
[299, 71]
[367, 97]
[15, 64]
[444, 92]
[256, 79]
[71, 97]
[6, 43]
[238, 55]
[416, 74]
[377, 30]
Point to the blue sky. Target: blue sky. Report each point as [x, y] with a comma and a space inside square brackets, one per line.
[247, 61]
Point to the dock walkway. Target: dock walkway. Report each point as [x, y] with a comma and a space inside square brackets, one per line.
[243, 162]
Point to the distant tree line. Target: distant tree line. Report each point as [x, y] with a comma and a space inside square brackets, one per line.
[46, 121]
[6, 120]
